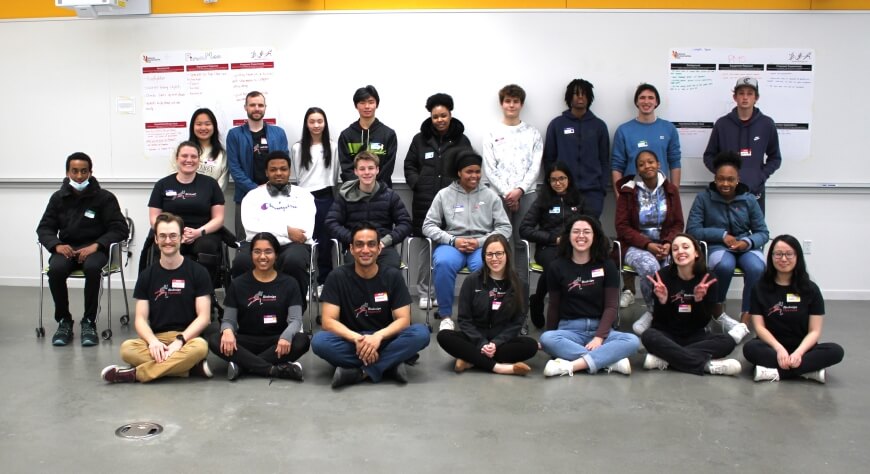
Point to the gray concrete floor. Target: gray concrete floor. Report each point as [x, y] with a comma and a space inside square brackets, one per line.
[57, 415]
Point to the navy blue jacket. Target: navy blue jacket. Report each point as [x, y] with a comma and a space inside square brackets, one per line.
[758, 134]
[584, 145]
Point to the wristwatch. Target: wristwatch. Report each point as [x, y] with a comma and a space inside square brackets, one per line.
[181, 338]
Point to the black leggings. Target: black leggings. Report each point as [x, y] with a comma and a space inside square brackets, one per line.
[543, 257]
[256, 354]
[459, 345]
[820, 356]
[687, 354]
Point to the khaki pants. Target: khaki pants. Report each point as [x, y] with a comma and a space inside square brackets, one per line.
[135, 352]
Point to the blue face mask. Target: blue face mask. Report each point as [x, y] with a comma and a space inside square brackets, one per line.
[80, 186]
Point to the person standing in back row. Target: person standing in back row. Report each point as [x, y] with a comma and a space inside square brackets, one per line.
[749, 133]
[368, 134]
[580, 139]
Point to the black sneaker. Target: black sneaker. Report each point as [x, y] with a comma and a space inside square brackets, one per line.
[115, 374]
[89, 333]
[64, 333]
[290, 371]
[201, 369]
[398, 373]
[536, 310]
[233, 371]
[347, 376]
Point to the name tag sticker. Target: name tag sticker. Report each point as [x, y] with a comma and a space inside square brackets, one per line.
[568, 131]
[376, 147]
[746, 152]
[90, 214]
[496, 305]
[792, 298]
[171, 193]
[429, 155]
[381, 297]
[684, 308]
[598, 272]
[178, 283]
[270, 319]
[555, 210]
[459, 208]
[642, 144]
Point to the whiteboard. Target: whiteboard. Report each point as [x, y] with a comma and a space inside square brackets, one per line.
[62, 78]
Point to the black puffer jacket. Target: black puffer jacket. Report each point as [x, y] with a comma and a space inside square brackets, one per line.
[78, 219]
[429, 165]
[384, 209]
[548, 215]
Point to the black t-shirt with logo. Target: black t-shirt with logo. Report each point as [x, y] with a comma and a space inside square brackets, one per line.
[260, 151]
[581, 287]
[171, 294]
[682, 315]
[786, 313]
[366, 305]
[262, 307]
[192, 201]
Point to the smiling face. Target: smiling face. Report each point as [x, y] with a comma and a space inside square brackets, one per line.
[187, 160]
[278, 172]
[469, 177]
[167, 236]
[558, 181]
[367, 108]
[646, 102]
[255, 107]
[78, 171]
[441, 119]
[367, 172]
[203, 127]
[511, 108]
[365, 247]
[683, 252]
[784, 257]
[582, 236]
[315, 123]
[727, 178]
[495, 257]
[647, 166]
[263, 255]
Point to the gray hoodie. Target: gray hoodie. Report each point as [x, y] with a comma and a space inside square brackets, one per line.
[478, 214]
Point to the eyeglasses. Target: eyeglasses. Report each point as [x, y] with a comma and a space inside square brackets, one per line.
[495, 255]
[784, 255]
[559, 179]
[581, 232]
[168, 237]
[261, 252]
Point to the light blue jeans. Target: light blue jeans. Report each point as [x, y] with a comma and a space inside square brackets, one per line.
[448, 260]
[569, 343]
[723, 263]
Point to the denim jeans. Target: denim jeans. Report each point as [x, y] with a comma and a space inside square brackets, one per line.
[723, 263]
[569, 341]
[448, 260]
[341, 353]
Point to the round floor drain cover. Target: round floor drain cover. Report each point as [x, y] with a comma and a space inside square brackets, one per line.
[139, 430]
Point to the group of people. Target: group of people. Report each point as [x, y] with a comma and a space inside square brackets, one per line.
[289, 199]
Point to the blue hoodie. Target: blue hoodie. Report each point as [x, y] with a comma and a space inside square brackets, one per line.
[584, 145]
[757, 134]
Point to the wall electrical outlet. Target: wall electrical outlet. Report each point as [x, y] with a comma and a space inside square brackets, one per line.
[808, 247]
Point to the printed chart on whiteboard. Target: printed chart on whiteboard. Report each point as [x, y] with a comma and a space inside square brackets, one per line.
[175, 83]
[701, 90]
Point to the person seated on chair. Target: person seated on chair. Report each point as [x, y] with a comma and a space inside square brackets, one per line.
[367, 199]
[260, 331]
[367, 331]
[685, 296]
[727, 216]
[79, 224]
[558, 202]
[199, 201]
[584, 292]
[648, 216]
[491, 314]
[173, 306]
[285, 211]
[787, 312]
[462, 216]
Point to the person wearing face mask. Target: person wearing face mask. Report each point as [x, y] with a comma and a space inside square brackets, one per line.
[285, 211]
[79, 224]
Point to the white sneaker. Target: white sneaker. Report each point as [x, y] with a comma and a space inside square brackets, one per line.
[626, 299]
[319, 291]
[623, 366]
[818, 376]
[651, 362]
[446, 323]
[424, 302]
[739, 332]
[642, 324]
[723, 367]
[766, 374]
[558, 367]
[727, 322]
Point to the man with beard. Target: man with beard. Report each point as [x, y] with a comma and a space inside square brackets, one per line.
[248, 145]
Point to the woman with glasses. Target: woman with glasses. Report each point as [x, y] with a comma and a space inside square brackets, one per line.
[684, 300]
[557, 203]
[648, 216]
[260, 330]
[584, 294]
[490, 316]
[787, 312]
[198, 200]
[727, 216]
[461, 217]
